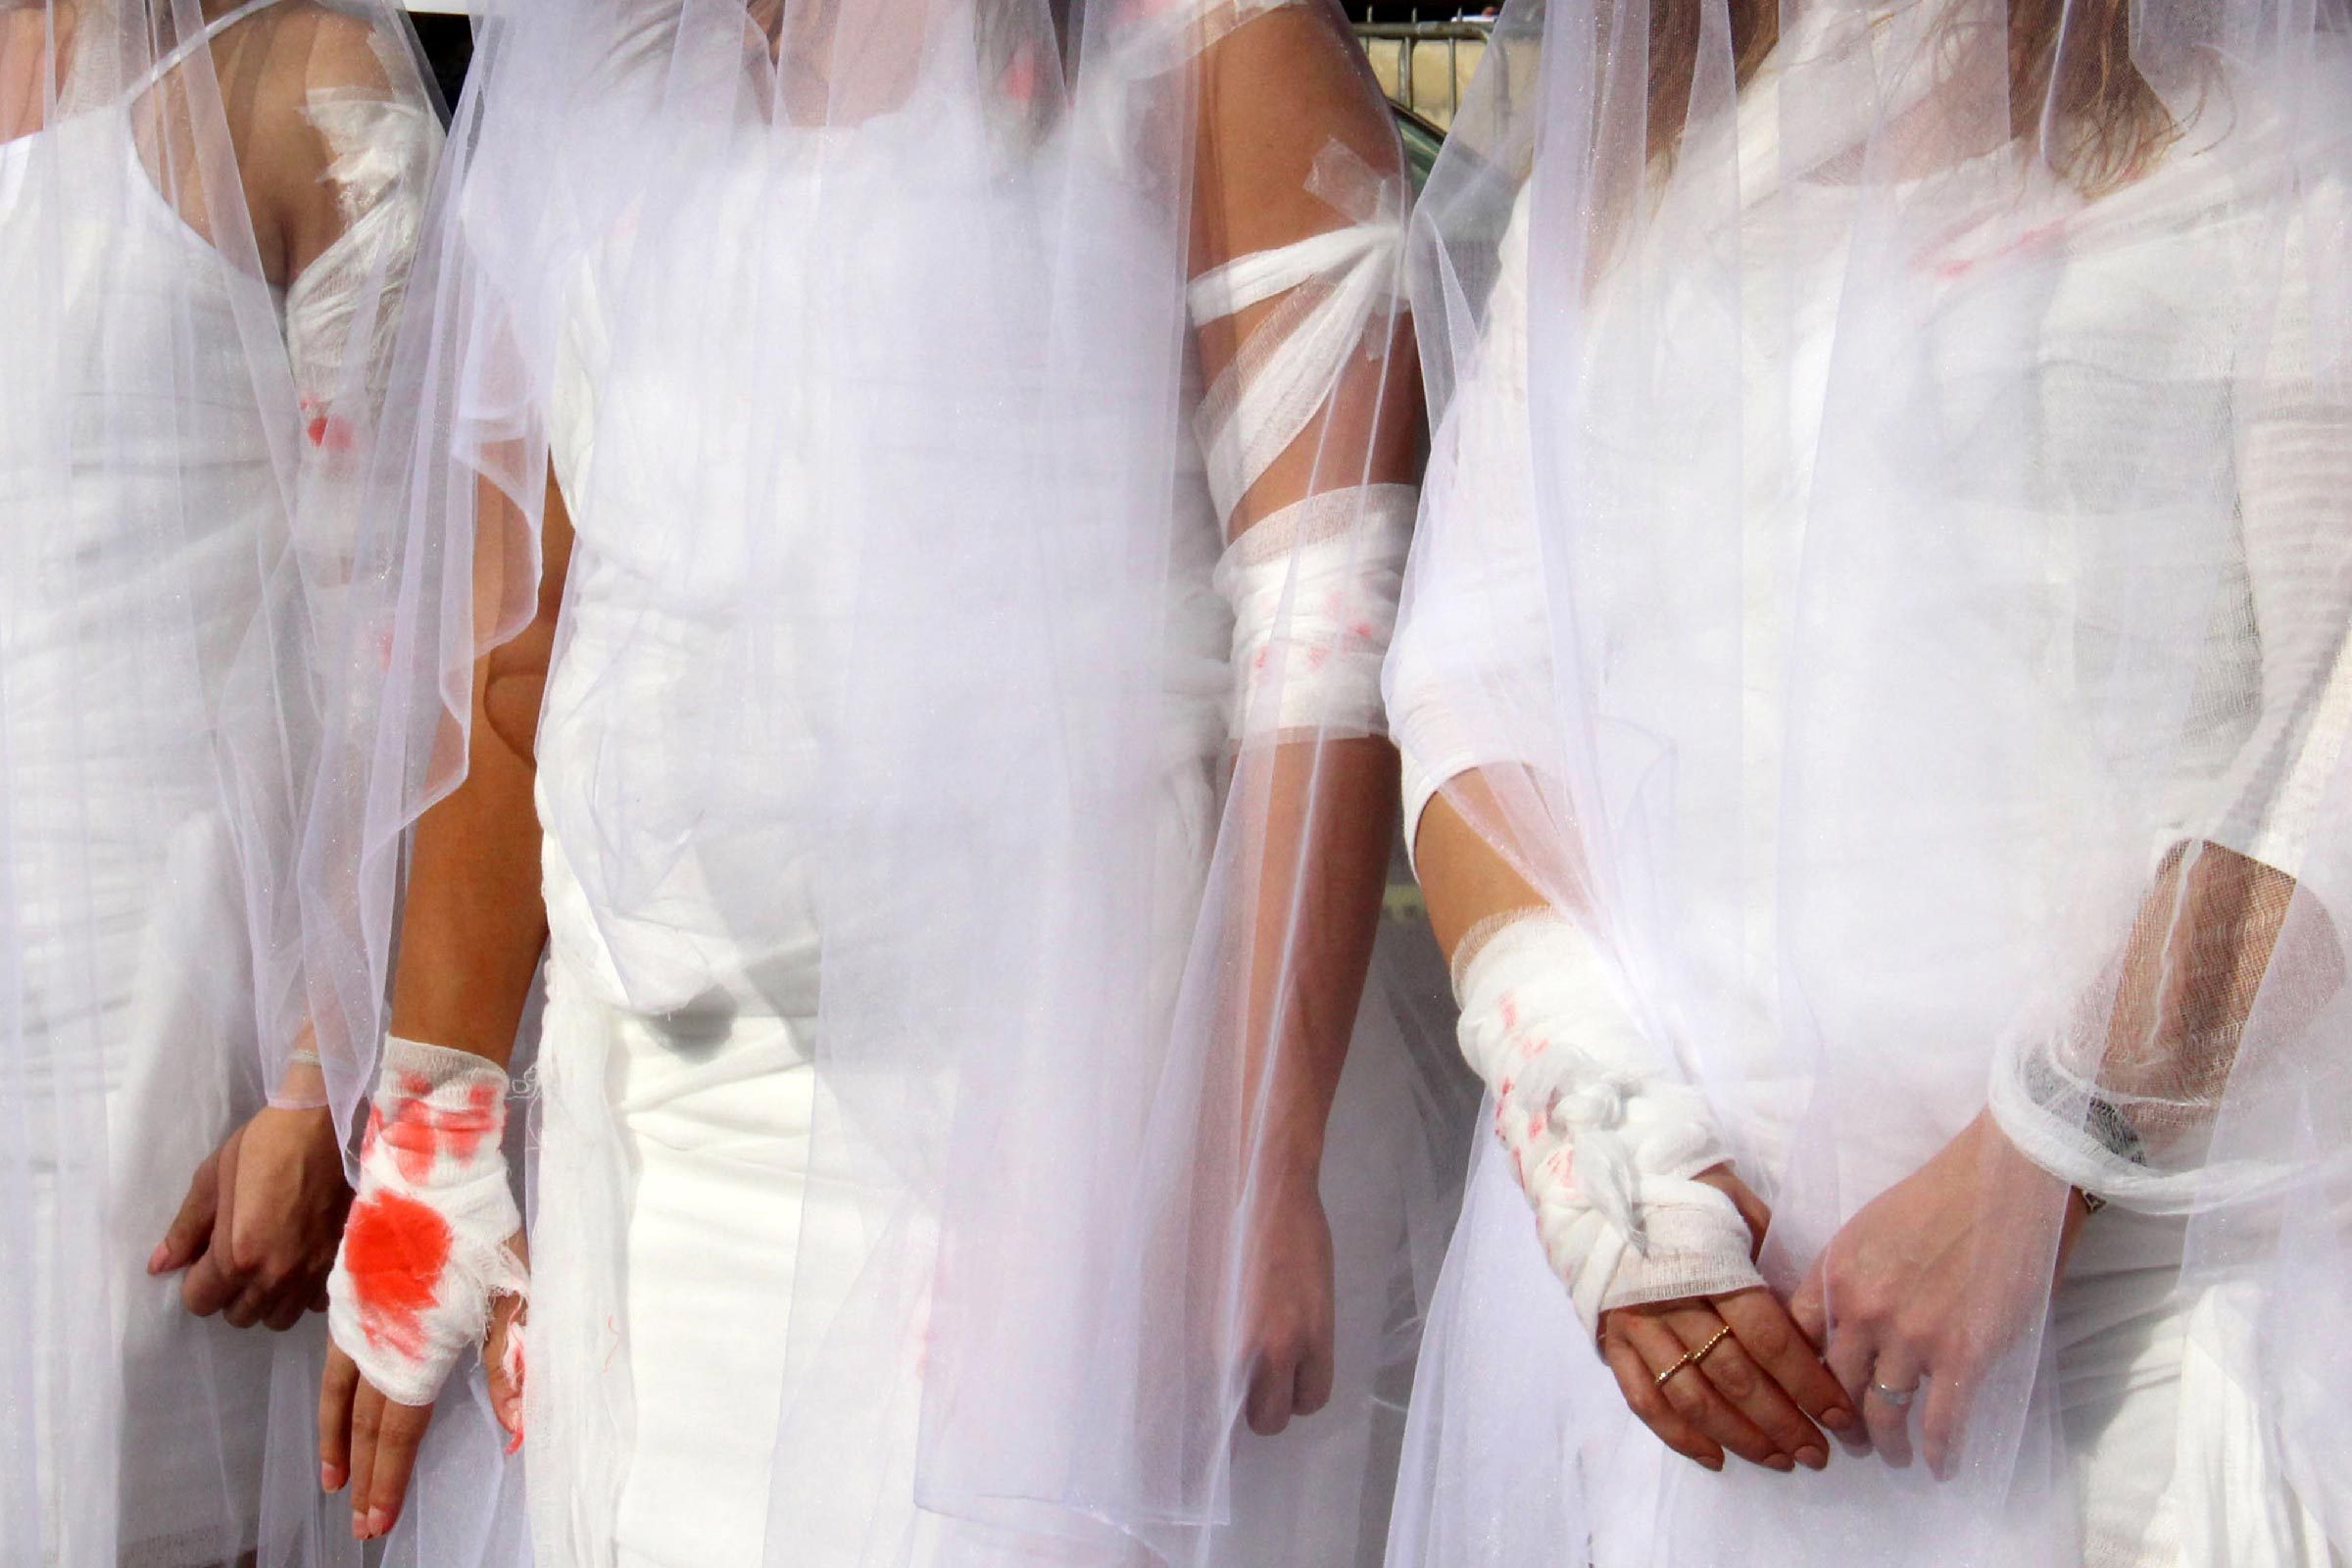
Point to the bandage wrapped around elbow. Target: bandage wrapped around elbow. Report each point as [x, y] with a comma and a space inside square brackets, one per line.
[1606, 1139]
[1313, 591]
[429, 1244]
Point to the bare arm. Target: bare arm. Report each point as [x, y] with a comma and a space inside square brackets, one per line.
[474, 922]
[1278, 93]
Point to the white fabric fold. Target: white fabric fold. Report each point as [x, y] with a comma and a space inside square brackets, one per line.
[1606, 1139]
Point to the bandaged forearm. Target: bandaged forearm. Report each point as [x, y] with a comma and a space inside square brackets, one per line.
[1313, 591]
[429, 1244]
[1606, 1139]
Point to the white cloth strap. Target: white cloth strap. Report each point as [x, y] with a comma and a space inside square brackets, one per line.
[1339, 283]
[429, 1241]
[1606, 1138]
[1313, 591]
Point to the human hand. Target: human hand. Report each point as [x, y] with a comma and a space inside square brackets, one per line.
[1932, 1281]
[258, 1229]
[1733, 1372]
[1289, 1312]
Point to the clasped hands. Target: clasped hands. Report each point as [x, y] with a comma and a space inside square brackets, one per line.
[1905, 1311]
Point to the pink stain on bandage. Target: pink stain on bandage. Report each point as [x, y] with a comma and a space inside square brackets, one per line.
[422, 1133]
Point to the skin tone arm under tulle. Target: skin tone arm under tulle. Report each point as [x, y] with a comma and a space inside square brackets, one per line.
[472, 928]
[1277, 92]
[1758, 1393]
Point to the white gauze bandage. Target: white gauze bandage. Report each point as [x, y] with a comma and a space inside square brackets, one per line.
[1605, 1136]
[430, 1243]
[1313, 591]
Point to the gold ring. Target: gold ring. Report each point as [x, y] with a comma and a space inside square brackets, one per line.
[1700, 1354]
[1659, 1381]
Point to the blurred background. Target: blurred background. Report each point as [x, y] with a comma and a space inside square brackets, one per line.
[1423, 54]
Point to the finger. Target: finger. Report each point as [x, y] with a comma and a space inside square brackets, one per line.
[335, 1388]
[366, 1428]
[1315, 1374]
[1852, 1352]
[1270, 1392]
[1886, 1409]
[247, 1308]
[1639, 1384]
[1693, 1396]
[282, 1313]
[1809, 1307]
[1747, 1388]
[209, 1287]
[192, 1226]
[1944, 1422]
[505, 1357]
[401, 1429]
[1768, 1332]
[1756, 1211]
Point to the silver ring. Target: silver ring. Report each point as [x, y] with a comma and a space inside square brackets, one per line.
[1900, 1399]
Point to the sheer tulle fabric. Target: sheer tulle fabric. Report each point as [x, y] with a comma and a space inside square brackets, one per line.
[180, 409]
[882, 763]
[1885, 576]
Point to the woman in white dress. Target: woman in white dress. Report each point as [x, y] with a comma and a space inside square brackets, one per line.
[204, 216]
[929, 1124]
[1872, 685]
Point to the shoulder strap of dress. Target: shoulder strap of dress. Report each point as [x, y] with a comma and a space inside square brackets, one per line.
[188, 46]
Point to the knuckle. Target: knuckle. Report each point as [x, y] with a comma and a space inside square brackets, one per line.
[1769, 1339]
[1734, 1378]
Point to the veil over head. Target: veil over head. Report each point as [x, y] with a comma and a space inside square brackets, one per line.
[204, 215]
[1885, 576]
[892, 689]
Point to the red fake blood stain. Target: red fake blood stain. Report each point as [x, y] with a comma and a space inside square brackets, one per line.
[395, 1250]
[421, 1132]
[323, 430]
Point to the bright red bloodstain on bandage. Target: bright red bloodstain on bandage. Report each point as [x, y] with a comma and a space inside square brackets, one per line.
[395, 1250]
[421, 1132]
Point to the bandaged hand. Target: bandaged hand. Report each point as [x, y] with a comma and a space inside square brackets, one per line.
[1636, 1203]
[431, 1239]
[1606, 1139]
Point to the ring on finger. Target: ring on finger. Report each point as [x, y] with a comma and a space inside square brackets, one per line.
[1700, 1354]
[1659, 1381]
[1900, 1399]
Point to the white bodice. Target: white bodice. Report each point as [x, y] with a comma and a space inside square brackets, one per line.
[720, 383]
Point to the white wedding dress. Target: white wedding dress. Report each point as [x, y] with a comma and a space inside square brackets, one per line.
[138, 497]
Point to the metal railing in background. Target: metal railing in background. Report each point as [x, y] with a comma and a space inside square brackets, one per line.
[1426, 67]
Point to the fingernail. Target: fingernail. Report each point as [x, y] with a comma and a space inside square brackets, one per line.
[1837, 1418]
[1780, 1462]
[330, 1478]
[358, 1525]
[378, 1521]
[158, 1258]
[1812, 1459]
[1715, 1463]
